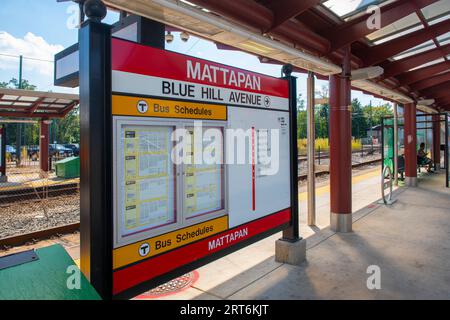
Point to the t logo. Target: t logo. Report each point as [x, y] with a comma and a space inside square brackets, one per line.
[144, 249]
[142, 106]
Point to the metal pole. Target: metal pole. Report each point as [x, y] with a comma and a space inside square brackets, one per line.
[370, 124]
[311, 138]
[319, 155]
[292, 233]
[19, 125]
[446, 159]
[395, 145]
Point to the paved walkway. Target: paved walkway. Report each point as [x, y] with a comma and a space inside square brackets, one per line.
[225, 277]
[409, 242]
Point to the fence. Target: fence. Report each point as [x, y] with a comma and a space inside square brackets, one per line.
[31, 199]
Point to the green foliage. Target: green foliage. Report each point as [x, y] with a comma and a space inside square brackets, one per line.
[68, 128]
[359, 120]
[322, 145]
[363, 117]
[14, 84]
[375, 114]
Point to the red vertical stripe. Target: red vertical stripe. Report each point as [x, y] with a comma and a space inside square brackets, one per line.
[253, 171]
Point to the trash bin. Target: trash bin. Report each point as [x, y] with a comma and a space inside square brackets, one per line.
[68, 168]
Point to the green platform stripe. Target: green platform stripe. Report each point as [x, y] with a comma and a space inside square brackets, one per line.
[44, 279]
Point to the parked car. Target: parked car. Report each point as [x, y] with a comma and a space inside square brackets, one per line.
[11, 152]
[59, 150]
[33, 152]
[74, 147]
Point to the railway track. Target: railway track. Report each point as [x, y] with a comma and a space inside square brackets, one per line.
[323, 172]
[14, 195]
[70, 228]
[326, 154]
[38, 235]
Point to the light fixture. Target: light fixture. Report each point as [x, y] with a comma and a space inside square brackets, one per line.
[367, 73]
[169, 37]
[184, 36]
[425, 102]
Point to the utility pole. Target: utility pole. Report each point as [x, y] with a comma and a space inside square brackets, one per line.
[370, 124]
[19, 125]
[311, 138]
[395, 144]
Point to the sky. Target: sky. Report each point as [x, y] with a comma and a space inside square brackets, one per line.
[38, 29]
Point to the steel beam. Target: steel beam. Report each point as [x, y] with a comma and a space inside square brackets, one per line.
[358, 28]
[255, 16]
[284, 10]
[311, 139]
[410, 132]
[44, 140]
[14, 114]
[431, 82]
[340, 149]
[396, 144]
[381, 52]
[436, 141]
[400, 66]
[443, 100]
[438, 91]
[423, 73]
[36, 104]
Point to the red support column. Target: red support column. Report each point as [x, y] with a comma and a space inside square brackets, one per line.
[340, 150]
[43, 146]
[410, 145]
[437, 141]
[3, 177]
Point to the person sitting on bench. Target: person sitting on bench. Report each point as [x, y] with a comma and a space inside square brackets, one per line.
[422, 159]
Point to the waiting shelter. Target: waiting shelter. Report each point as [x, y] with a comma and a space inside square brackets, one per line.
[43, 106]
[395, 50]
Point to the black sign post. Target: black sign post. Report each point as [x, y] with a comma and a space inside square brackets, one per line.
[96, 163]
[292, 233]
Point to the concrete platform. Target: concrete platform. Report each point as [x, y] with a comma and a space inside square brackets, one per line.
[409, 242]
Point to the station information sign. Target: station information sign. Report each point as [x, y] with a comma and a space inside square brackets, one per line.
[174, 211]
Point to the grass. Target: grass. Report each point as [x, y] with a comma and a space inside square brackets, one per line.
[322, 144]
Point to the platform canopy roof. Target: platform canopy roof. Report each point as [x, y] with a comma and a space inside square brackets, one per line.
[35, 104]
[412, 45]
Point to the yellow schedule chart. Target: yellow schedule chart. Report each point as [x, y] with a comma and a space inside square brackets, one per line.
[148, 185]
[203, 183]
[153, 246]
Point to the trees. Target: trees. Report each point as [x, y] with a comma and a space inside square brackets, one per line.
[14, 83]
[301, 118]
[69, 127]
[359, 121]
[375, 114]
